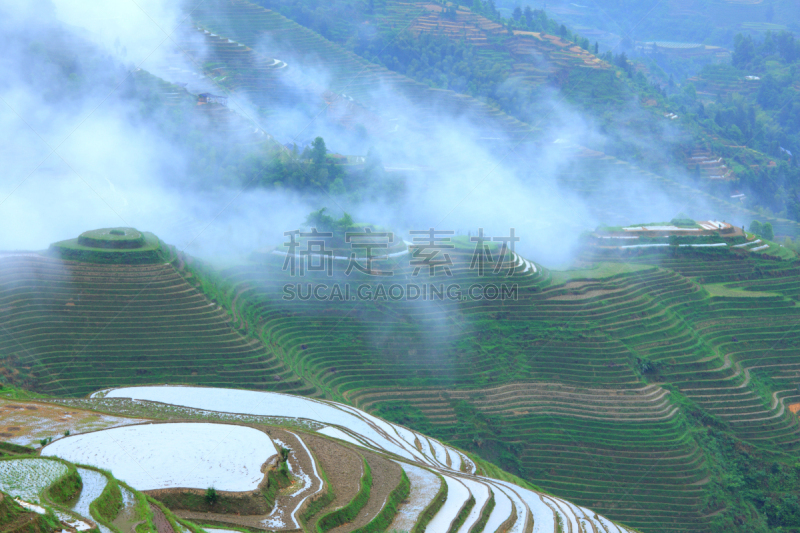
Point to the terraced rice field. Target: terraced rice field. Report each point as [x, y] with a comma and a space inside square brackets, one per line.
[560, 376]
[30, 482]
[27, 478]
[165, 456]
[424, 486]
[27, 423]
[70, 325]
[93, 484]
[429, 465]
[251, 69]
[369, 430]
[560, 379]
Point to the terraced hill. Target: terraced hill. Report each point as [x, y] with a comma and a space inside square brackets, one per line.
[67, 325]
[599, 385]
[267, 81]
[534, 57]
[585, 385]
[257, 52]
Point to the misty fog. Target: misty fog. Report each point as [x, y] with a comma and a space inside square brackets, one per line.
[80, 153]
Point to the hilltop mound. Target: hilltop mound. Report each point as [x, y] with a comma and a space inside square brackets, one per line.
[116, 238]
[110, 245]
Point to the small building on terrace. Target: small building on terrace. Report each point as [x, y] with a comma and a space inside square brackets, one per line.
[208, 98]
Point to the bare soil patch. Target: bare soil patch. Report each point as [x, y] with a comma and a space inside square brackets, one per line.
[584, 295]
[26, 423]
[343, 468]
[385, 477]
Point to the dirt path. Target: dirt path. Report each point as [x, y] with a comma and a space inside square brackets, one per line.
[126, 518]
[160, 521]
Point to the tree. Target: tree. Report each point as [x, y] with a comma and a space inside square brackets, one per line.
[211, 496]
[769, 92]
[755, 227]
[318, 219]
[766, 231]
[528, 16]
[337, 187]
[318, 151]
[596, 48]
[517, 14]
[622, 62]
[744, 50]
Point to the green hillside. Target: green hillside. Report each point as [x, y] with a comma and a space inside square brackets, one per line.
[652, 378]
[712, 22]
[637, 387]
[634, 391]
[250, 24]
[516, 71]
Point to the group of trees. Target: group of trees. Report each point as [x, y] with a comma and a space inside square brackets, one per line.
[762, 230]
[751, 53]
[758, 127]
[438, 60]
[311, 170]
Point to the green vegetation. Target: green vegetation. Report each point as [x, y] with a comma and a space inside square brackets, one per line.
[161, 328]
[8, 448]
[762, 230]
[322, 500]
[746, 111]
[16, 519]
[66, 487]
[108, 505]
[118, 238]
[100, 246]
[277, 478]
[485, 514]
